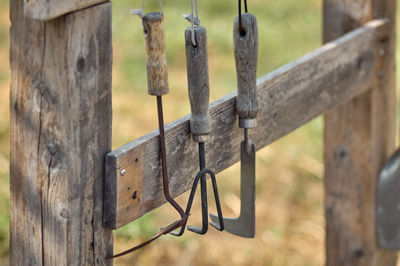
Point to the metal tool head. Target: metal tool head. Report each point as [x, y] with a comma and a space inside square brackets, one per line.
[244, 225]
[388, 204]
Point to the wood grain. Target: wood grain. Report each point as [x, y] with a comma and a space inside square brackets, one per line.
[291, 95]
[198, 82]
[60, 132]
[49, 9]
[359, 137]
[245, 41]
[154, 40]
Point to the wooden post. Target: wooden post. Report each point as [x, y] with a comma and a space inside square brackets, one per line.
[48, 9]
[359, 137]
[60, 132]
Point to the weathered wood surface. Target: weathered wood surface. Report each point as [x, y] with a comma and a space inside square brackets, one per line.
[154, 40]
[198, 83]
[291, 96]
[60, 132]
[49, 9]
[245, 40]
[359, 137]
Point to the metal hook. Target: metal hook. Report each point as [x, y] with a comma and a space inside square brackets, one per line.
[179, 223]
[140, 12]
[195, 21]
[241, 29]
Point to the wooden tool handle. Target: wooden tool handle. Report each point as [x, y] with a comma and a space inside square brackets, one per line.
[154, 37]
[246, 55]
[198, 83]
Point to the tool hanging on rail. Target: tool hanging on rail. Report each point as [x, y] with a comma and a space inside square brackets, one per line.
[200, 126]
[157, 84]
[245, 35]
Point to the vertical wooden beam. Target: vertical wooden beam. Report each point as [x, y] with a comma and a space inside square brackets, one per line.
[359, 137]
[60, 132]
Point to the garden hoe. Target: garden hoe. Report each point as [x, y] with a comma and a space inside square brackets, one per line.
[246, 50]
[388, 204]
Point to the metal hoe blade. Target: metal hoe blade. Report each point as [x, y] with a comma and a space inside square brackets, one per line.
[244, 225]
[388, 204]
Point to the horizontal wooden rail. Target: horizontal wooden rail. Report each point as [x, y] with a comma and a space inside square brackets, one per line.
[50, 9]
[289, 97]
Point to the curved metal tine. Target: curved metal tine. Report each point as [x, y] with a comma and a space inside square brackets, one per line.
[189, 206]
[204, 208]
[219, 226]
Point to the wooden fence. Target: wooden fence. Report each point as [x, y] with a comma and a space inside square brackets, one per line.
[61, 131]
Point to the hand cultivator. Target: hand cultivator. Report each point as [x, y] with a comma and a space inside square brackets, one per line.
[200, 126]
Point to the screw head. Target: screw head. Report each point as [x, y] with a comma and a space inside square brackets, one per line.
[123, 172]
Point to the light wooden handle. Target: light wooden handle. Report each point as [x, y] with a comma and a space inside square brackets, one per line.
[154, 37]
[246, 55]
[198, 83]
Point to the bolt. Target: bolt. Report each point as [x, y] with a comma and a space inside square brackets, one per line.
[123, 171]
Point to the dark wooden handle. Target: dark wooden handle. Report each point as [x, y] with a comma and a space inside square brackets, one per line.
[246, 55]
[198, 83]
[154, 38]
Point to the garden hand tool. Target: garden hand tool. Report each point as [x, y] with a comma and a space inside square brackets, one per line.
[200, 126]
[246, 52]
[157, 83]
[388, 204]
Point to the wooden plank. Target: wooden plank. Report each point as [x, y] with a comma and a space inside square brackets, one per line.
[289, 97]
[359, 137]
[49, 9]
[60, 132]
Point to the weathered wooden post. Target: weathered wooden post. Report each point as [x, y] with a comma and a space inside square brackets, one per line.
[60, 132]
[359, 137]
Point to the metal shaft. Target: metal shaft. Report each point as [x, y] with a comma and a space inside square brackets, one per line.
[164, 158]
[203, 187]
[247, 140]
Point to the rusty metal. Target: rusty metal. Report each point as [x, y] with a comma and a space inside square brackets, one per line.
[164, 159]
[163, 231]
[175, 225]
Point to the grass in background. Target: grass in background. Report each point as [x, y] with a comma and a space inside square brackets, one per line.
[290, 226]
[289, 187]
[4, 133]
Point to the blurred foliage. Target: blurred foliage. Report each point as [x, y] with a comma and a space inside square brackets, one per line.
[290, 225]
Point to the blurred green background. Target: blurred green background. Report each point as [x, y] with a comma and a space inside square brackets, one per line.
[290, 223]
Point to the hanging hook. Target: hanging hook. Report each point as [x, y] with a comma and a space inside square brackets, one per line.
[241, 29]
[140, 12]
[194, 20]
